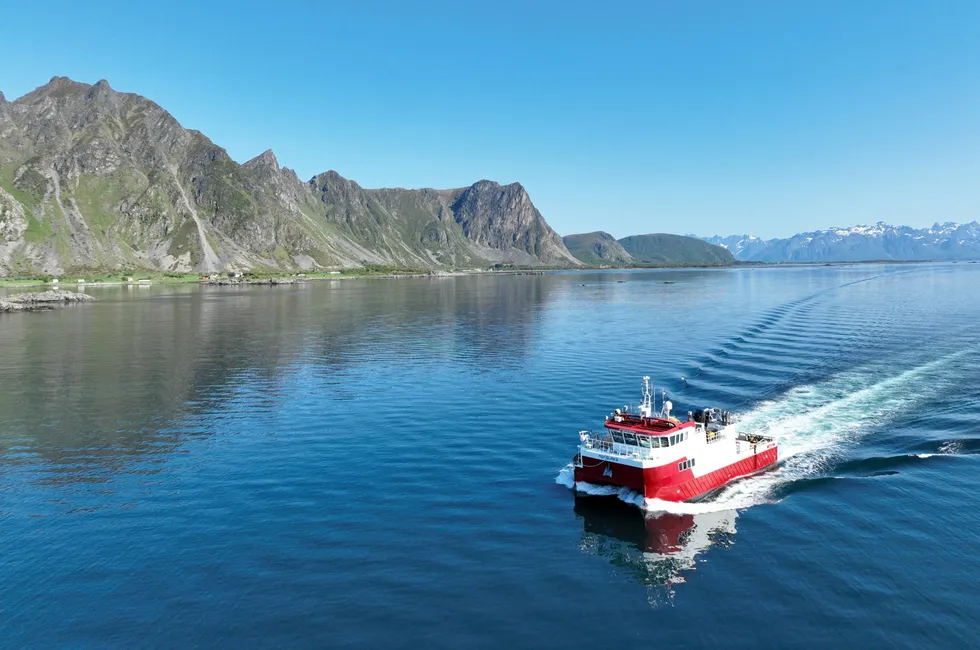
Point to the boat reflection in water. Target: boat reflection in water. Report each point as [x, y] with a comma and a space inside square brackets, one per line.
[656, 549]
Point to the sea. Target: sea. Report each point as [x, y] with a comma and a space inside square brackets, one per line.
[383, 463]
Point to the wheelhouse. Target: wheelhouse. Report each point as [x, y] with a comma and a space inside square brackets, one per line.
[648, 439]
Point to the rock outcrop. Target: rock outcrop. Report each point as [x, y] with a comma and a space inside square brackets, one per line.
[41, 300]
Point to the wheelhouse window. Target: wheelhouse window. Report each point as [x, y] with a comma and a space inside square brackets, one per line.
[643, 441]
[664, 441]
[617, 435]
[629, 437]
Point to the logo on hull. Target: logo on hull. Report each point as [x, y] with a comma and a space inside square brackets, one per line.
[607, 471]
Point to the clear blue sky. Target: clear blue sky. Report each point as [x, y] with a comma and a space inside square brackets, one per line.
[683, 116]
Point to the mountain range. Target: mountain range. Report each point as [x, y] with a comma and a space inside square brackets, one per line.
[91, 178]
[95, 179]
[946, 241]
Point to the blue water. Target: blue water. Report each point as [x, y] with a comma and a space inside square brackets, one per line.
[377, 463]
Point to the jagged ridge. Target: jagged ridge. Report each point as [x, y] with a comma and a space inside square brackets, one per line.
[94, 178]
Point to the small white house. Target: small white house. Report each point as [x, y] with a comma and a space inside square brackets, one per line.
[54, 281]
[80, 281]
[334, 272]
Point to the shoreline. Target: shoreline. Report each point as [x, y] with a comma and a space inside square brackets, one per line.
[292, 278]
[267, 279]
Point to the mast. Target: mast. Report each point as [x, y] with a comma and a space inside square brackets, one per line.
[646, 408]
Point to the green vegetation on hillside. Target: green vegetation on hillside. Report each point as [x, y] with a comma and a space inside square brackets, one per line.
[597, 249]
[674, 250]
[100, 179]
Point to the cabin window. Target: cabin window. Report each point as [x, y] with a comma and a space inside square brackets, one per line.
[687, 464]
[673, 439]
[665, 442]
[617, 436]
[643, 441]
[655, 443]
[629, 437]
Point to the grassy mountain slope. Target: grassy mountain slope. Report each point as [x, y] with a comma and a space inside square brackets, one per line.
[597, 249]
[91, 178]
[675, 250]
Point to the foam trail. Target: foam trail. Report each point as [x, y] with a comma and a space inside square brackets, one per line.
[812, 423]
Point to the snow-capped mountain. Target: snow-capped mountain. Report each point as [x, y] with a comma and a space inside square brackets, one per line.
[947, 241]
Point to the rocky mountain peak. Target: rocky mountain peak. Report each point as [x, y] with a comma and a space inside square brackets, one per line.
[484, 183]
[3, 100]
[58, 87]
[100, 91]
[329, 180]
[503, 216]
[266, 159]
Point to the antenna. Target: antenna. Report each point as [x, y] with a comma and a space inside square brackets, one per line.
[646, 409]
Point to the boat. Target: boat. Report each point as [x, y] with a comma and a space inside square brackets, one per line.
[661, 457]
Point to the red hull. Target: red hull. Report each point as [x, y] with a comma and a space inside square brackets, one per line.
[666, 482]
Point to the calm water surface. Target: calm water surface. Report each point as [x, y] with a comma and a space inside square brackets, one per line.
[379, 463]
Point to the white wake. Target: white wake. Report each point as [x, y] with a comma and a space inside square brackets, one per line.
[814, 425]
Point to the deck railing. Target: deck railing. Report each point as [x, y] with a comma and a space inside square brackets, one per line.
[620, 449]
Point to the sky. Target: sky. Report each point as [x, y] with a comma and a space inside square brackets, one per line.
[687, 116]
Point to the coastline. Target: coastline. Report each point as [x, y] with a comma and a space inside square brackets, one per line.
[247, 278]
[263, 278]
